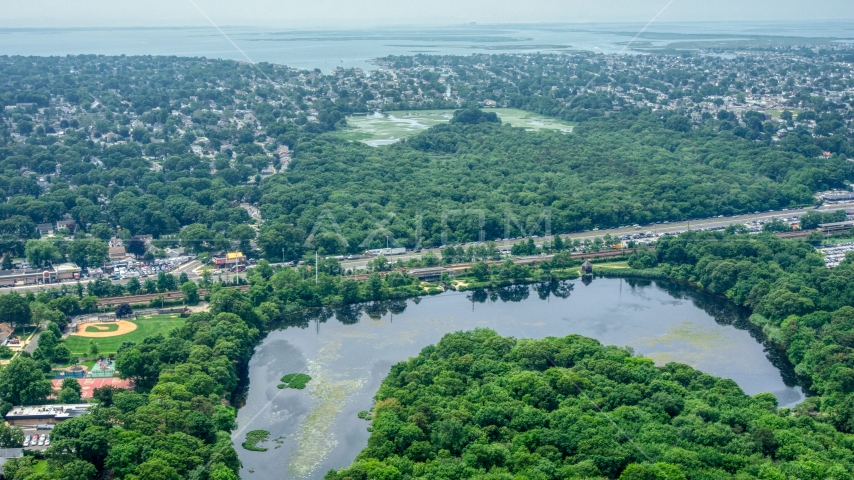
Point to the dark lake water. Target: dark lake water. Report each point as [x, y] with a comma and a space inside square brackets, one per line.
[348, 353]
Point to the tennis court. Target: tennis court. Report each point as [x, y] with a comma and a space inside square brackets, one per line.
[90, 384]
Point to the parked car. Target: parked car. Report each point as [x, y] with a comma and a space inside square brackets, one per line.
[41, 440]
[27, 441]
[47, 440]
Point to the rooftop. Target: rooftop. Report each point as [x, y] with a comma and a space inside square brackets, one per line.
[59, 412]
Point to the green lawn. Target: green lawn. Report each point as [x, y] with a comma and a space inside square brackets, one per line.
[146, 327]
[24, 331]
[776, 113]
[620, 264]
[389, 127]
[102, 327]
[531, 121]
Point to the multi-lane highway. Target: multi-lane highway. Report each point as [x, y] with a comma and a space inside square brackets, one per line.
[656, 228]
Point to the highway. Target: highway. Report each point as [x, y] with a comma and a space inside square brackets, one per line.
[656, 228]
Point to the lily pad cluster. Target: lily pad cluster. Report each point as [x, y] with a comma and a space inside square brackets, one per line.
[255, 437]
[294, 380]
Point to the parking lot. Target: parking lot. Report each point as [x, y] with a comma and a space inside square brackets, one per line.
[834, 254]
[36, 439]
[132, 269]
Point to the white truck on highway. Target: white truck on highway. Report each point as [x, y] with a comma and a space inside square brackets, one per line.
[386, 251]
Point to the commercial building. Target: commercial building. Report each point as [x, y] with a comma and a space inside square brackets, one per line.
[838, 196]
[45, 414]
[64, 271]
[231, 258]
[32, 276]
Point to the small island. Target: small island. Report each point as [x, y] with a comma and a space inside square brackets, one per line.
[255, 437]
[295, 380]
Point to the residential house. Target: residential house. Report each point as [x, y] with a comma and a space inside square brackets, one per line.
[69, 224]
[45, 228]
[7, 454]
[6, 331]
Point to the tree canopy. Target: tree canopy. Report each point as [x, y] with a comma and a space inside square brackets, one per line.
[477, 405]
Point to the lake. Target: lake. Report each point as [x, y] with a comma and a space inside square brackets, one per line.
[349, 351]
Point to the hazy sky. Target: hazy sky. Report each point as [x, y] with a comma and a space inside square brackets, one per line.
[289, 14]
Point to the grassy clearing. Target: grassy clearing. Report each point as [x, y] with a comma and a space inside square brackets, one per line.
[24, 331]
[611, 265]
[102, 327]
[532, 121]
[383, 129]
[776, 113]
[146, 327]
[389, 127]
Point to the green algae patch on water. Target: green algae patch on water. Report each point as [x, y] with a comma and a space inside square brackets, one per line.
[255, 437]
[330, 393]
[294, 380]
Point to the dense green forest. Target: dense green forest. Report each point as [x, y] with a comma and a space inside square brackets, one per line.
[158, 145]
[481, 406]
[635, 167]
[181, 149]
[477, 405]
[454, 180]
[174, 424]
[800, 303]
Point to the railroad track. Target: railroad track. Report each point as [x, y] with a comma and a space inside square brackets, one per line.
[458, 267]
[538, 259]
[170, 296]
[795, 234]
[147, 298]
